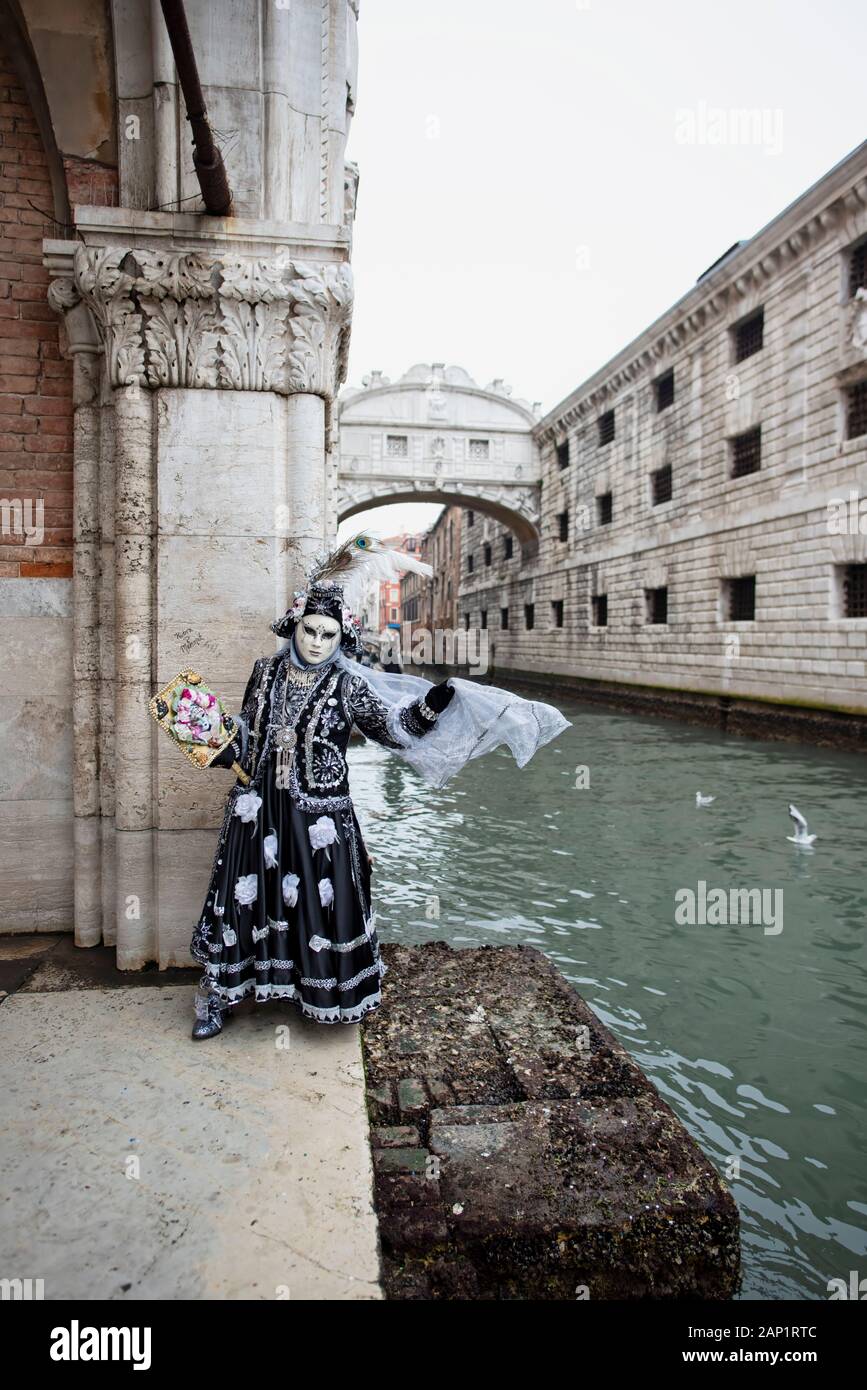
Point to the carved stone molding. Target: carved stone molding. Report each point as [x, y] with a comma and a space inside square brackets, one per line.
[318, 354]
[187, 319]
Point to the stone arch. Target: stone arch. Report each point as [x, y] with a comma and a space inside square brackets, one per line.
[524, 524]
[15, 42]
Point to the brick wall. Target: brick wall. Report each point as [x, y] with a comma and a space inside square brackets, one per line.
[35, 380]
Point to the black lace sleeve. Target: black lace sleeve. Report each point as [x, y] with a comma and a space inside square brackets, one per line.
[236, 751]
[370, 713]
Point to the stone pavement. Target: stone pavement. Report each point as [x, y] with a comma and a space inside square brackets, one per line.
[139, 1164]
[518, 1151]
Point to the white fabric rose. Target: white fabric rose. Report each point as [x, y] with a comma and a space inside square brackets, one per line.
[269, 845]
[247, 806]
[323, 833]
[247, 889]
[290, 889]
[326, 891]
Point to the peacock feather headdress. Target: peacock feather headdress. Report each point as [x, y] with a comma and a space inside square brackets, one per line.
[335, 572]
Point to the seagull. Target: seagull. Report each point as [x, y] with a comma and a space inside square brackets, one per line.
[703, 800]
[802, 834]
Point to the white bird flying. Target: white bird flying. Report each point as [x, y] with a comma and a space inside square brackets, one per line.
[703, 800]
[802, 834]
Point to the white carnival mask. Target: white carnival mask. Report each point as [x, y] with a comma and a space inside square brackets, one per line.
[317, 637]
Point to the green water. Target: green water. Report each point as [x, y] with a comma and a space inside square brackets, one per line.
[757, 1039]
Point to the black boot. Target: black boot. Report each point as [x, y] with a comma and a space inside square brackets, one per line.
[209, 1016]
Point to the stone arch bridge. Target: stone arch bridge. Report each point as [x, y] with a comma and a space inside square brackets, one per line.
[436, 436]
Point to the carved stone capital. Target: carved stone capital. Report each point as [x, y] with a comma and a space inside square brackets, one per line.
[193, 319]
[81, 335]
[321, 298]
[63, 294]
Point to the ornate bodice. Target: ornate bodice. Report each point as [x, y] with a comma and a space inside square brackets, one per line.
[298, 724]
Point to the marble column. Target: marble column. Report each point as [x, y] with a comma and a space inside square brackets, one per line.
[84, 346]
[202, 496]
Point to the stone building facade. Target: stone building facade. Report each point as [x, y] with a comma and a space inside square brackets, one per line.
[703, 512]
[444, 553]
[193, 362]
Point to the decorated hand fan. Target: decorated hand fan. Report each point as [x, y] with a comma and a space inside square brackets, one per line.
[195, 718]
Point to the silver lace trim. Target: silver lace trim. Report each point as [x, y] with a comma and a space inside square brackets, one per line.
[322, 943]
[235, 967]
[333, 983]
[326, 1014]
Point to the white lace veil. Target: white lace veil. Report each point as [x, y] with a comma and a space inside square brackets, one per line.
[479, 718]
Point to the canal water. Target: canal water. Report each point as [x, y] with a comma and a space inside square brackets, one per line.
[755, 1035]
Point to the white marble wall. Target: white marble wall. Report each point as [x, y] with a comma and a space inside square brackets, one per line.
[36, 822]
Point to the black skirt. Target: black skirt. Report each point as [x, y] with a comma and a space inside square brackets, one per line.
[287, 916]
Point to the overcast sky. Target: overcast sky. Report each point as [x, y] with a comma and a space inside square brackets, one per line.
[539, 181]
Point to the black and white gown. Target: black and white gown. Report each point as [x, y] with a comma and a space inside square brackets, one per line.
[288, 914]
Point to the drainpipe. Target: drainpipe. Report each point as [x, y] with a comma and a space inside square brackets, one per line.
[207, 160]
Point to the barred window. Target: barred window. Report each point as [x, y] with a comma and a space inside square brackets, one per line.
[664, 391]
[466, 622]
[563, 526]
[600, 610]
[657, 605]
[563, 454]
[504, 618]
[742, 598]
[480, 448]
[856, 413]
[855, 591]
[557, 612]
[487, 554]
[858, 269]
[746, 453]
[508, 545]
[483, 618]
[661, 485]
[606, 427]
[604, 509]
[470, 563]
[529, 615]
[750, 336]
[471, 516]
[396, 446]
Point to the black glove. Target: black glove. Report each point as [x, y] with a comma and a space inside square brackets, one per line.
[230, 754]
[439, 696]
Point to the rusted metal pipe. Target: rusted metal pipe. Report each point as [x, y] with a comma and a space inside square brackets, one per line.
[207, 160]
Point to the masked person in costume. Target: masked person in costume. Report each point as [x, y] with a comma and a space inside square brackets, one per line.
[288, 912]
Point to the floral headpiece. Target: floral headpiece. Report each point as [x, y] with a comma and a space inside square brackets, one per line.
[327, 599]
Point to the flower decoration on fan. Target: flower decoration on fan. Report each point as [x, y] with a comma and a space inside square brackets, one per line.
[198, 715]
[194, 717]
